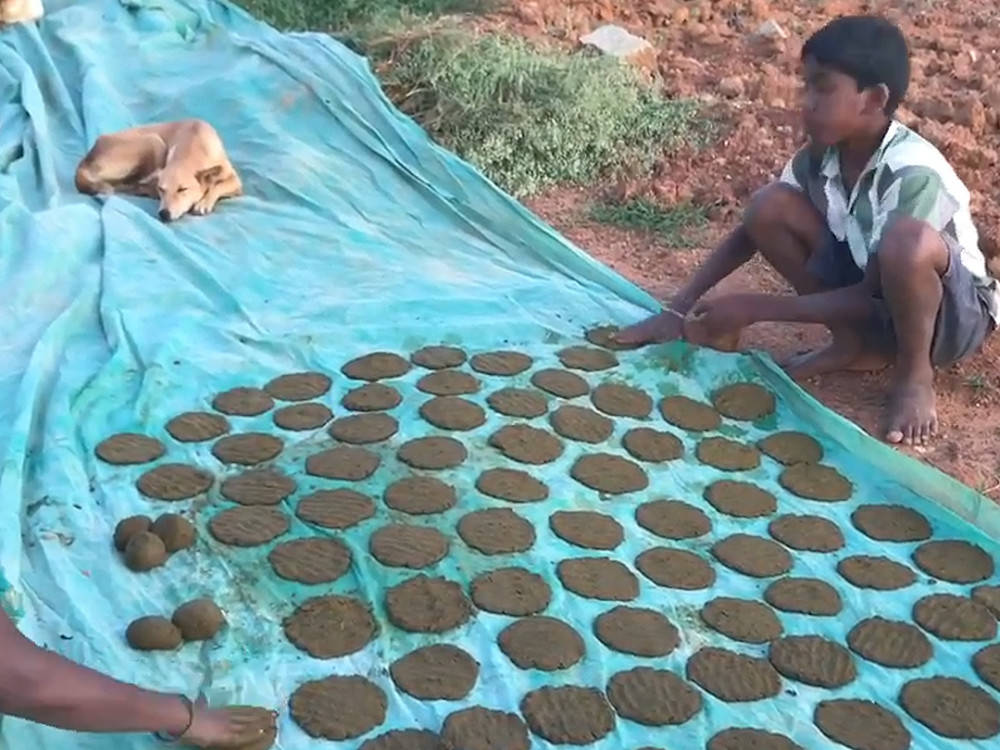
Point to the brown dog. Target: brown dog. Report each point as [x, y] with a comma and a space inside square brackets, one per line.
[20, 11]
[183, 163]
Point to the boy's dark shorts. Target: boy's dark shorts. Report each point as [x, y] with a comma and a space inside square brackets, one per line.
[963, 319]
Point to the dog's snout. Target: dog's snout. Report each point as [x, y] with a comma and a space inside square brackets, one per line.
[164, 214]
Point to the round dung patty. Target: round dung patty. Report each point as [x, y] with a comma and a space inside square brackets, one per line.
[197, 426]
[248, 526]
[258, 487]
[448, 383]
[376, 366]
[955, 618]
[951, 707]
[861, 725]
[129, 448]
[243, 402]
[879, 573]
[438, 357]
[587, 358]
[653, 697]
[581, 423]
[752, 555]
[889, 643]
[505, 363]
[479, 728]
[808, 533]
[529, 445]
[605, 336]
[432, 453]
[174, 482]
[420, 496]
[404, 739]
[675, 569]
[247, 448]
[727, 455]
[541, 643]
[298, 386]
[689, 414]
[740, 499]
[598, 578]
[608, 473]
[128, 528]
[813, 660]
[452, 413]
[298, 417]
[343, 462]
[401, 545]
[816, 482]
[561, 383]
[743, 401]
[891, 523]
[441, 672]
[637, 631]
[957, 562]
[311, 560]
[496, 531]
[362, 429]
[511, 591]
[647, 444]
[986, 662]
[587, 529]
[335, 509]
[792, 448]
[518, 402]
[750, 739]
[568, 715]
[619, 400]
[338, 708]
[742, 619]
[511, 485]
[372, 397]
[427, 605]
[989, 597]
[807, 596]
[733, 677]
[672, 519]
[309, 627]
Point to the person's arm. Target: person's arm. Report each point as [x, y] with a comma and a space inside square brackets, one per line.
[734, 251]
[42, 686]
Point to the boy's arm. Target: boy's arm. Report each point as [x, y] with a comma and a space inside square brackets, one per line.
[735, 250]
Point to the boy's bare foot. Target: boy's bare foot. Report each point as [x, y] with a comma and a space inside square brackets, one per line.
[830, 359]
[912, 415]
[656, 329]
[233, 727]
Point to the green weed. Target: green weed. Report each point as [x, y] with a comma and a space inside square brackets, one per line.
[678, 225]
[338, 15]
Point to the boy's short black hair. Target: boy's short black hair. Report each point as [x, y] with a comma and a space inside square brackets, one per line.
[869, 49]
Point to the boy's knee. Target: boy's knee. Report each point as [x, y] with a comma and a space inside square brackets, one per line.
[911, 244]
[774, 205]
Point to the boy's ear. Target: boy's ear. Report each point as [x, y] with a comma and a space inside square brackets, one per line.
[208, 177]
[876, 98]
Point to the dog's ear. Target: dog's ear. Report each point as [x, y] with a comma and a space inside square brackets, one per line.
[208, 177]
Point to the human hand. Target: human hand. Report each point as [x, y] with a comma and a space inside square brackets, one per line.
[230, 727]
[711, 322]
[656, 329]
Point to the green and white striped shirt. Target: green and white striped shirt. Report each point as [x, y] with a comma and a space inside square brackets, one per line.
[906, 176]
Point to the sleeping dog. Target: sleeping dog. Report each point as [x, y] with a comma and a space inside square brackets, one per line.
[183, 163]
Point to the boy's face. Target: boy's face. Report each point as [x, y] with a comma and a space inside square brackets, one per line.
[833, 109]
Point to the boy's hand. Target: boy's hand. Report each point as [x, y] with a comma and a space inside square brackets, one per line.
[712, 320]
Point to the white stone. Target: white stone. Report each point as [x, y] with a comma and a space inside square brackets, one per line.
[617, 42]
[770, 29]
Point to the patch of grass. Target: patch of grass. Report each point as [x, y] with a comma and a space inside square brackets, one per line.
[530, 117]
[338, 15]
[977, 382]
[679, 225]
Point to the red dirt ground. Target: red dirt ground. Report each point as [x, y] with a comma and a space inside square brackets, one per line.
[708, 50]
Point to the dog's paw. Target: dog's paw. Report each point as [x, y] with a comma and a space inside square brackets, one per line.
[203, 207]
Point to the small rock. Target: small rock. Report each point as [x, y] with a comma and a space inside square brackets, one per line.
[619, 43]
[732, 87]
[771, 30]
